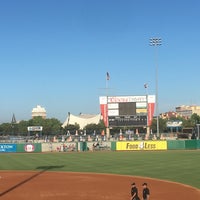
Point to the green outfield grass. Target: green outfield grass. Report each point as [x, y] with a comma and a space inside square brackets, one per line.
[177, 166]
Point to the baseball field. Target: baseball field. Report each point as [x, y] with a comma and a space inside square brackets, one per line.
[99, 175]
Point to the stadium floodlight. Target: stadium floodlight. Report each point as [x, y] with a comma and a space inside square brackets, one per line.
[156, 42]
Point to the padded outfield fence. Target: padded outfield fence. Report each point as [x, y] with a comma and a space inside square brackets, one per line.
[144, 145]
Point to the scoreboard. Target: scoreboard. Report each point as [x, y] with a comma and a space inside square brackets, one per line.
[127, 110]
[127, 120]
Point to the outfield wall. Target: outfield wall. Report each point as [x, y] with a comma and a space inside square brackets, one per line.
[183, 144]
[147, 145]
[20, 148]
[158, 145]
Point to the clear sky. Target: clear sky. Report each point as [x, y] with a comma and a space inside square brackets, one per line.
[55, 53]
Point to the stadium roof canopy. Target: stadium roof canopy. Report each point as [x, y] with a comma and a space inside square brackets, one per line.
[82, 120]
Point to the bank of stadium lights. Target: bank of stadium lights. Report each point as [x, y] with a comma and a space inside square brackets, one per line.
[156, 42]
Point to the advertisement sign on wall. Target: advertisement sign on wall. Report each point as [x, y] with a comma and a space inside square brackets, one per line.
[29, 148]
[5, 148]
[141, 145]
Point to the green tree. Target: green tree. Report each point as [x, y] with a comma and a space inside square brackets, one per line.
[162, 125]
[22, 127]
[98, 128]
[195, 119]
[6, 128]
[154, 125]
[36, 121]
[51, 126]
[187, 123]
[72, 128]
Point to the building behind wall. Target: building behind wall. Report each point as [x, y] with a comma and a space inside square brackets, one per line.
[39, 111]
[187, 111]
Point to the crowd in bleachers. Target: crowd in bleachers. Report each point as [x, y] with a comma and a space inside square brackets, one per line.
[77, 137]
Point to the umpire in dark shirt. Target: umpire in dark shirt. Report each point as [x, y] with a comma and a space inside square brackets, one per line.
[134, 192]
[146, 192]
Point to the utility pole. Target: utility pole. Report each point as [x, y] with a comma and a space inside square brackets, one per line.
[147, 97]
[107, 125]
[156, 42]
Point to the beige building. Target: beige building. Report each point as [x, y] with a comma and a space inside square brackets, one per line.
[39, 111]
[187, 111]
[168, 115]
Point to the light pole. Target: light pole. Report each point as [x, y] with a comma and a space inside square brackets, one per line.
[107, 125]
[147, 128]
[156, 42]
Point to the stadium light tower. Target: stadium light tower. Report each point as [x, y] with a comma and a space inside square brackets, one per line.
[147, 96]
[156, 42]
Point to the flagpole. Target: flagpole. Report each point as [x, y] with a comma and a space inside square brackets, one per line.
[107, 125]
[107, 79]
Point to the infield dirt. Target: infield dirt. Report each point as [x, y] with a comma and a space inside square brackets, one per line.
[43, 185]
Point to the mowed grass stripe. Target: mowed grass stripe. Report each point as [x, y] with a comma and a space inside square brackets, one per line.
[178, 166]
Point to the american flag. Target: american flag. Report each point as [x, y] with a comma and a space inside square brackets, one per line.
[145, 85]
[107, 76]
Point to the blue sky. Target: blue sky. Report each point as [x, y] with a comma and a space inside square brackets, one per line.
[55, 53]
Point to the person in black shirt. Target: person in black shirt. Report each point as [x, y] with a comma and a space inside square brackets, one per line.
[134, 192]
[146, 192]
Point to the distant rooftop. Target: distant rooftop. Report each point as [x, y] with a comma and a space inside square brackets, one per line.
[39, 111]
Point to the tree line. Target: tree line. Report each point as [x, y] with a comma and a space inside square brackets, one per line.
[54, 126]
[50, 127]
[186, 122]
